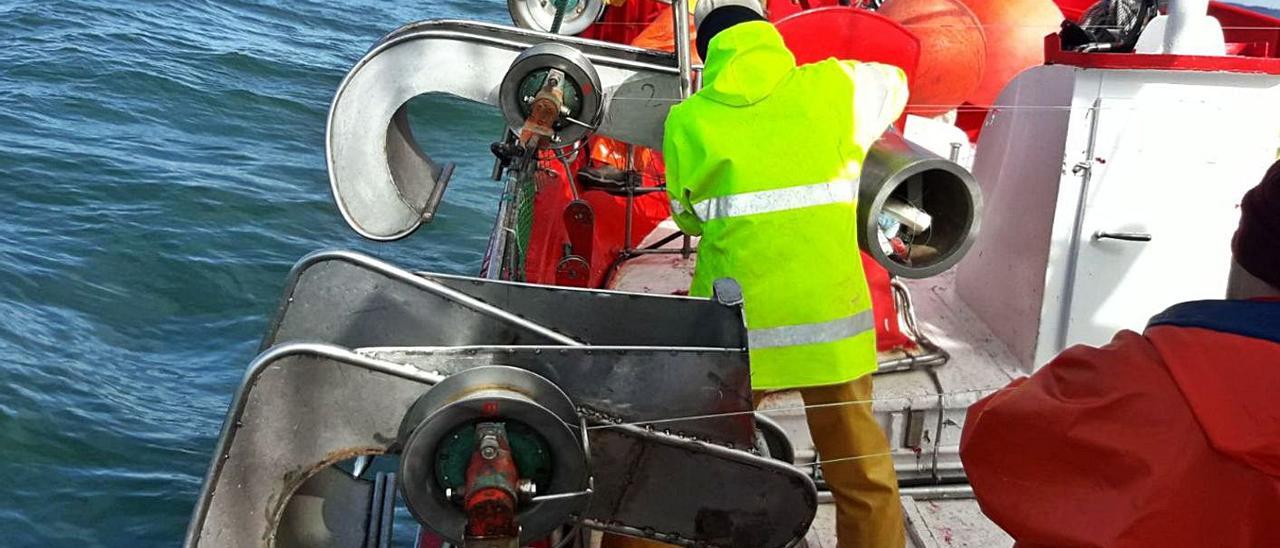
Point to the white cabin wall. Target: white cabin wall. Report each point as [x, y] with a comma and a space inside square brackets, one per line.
[1172, 154]
[1068, 152]
[1018, 164]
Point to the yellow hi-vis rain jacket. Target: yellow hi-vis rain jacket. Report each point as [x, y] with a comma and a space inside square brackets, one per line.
[764, 164]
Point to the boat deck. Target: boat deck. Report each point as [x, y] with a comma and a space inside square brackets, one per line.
[941, 523]
[921, 409]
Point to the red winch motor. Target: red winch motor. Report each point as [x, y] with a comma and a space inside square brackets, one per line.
[492, 490]
[490, 461]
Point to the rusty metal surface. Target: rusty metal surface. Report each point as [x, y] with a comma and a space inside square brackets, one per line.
[630, 384]
[301, 408]
[354, 300]
[305, 406]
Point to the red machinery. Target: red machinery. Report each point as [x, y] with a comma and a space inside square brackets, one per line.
[492, 489]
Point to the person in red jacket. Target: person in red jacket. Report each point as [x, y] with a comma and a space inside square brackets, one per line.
[1166, 438]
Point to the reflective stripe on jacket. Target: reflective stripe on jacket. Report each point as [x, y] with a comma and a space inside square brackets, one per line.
[764, 163]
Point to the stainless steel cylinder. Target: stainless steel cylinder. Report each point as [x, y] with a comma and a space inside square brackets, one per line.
[898, 169]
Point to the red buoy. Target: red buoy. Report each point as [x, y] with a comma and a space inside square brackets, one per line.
[1015, 31]
[849, 33]
[953, 52]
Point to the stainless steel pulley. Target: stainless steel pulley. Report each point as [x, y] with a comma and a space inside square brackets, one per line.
[539, 15]
[582, 96]
[439, 436]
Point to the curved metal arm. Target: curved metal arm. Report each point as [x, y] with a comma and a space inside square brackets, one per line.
[280, 430]
[386, 185]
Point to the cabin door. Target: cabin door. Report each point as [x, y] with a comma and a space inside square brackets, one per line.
[1169, 166]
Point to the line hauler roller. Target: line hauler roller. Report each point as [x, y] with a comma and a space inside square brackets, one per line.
[551, 98]
[490, 452]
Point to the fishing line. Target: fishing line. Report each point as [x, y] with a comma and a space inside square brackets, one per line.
[969, 108]
[949, 26]
[774, 410]
[818, 463]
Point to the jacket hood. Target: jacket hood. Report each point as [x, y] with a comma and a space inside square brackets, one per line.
[1225, 358]
[745, 63]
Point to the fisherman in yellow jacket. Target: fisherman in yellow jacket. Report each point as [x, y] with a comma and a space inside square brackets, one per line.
[763, 163]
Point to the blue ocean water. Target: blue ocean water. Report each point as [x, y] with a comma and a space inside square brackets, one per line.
[161, 168]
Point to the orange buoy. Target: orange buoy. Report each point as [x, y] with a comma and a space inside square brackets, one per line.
[953, 52]
[1015, 31]
[850, 33]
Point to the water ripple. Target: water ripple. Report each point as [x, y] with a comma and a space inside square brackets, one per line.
[161, 168]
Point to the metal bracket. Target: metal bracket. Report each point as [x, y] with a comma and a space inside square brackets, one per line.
[382, 511]
[355, 301]
[727, 292]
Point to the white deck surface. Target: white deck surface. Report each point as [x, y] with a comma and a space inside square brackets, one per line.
[950, 523]
[930, 524]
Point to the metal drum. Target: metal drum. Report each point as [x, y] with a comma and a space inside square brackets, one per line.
[546, 439]
[583, 95]
[898, 171]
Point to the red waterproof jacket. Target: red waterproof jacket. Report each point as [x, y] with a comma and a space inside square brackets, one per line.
[1169, 438]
